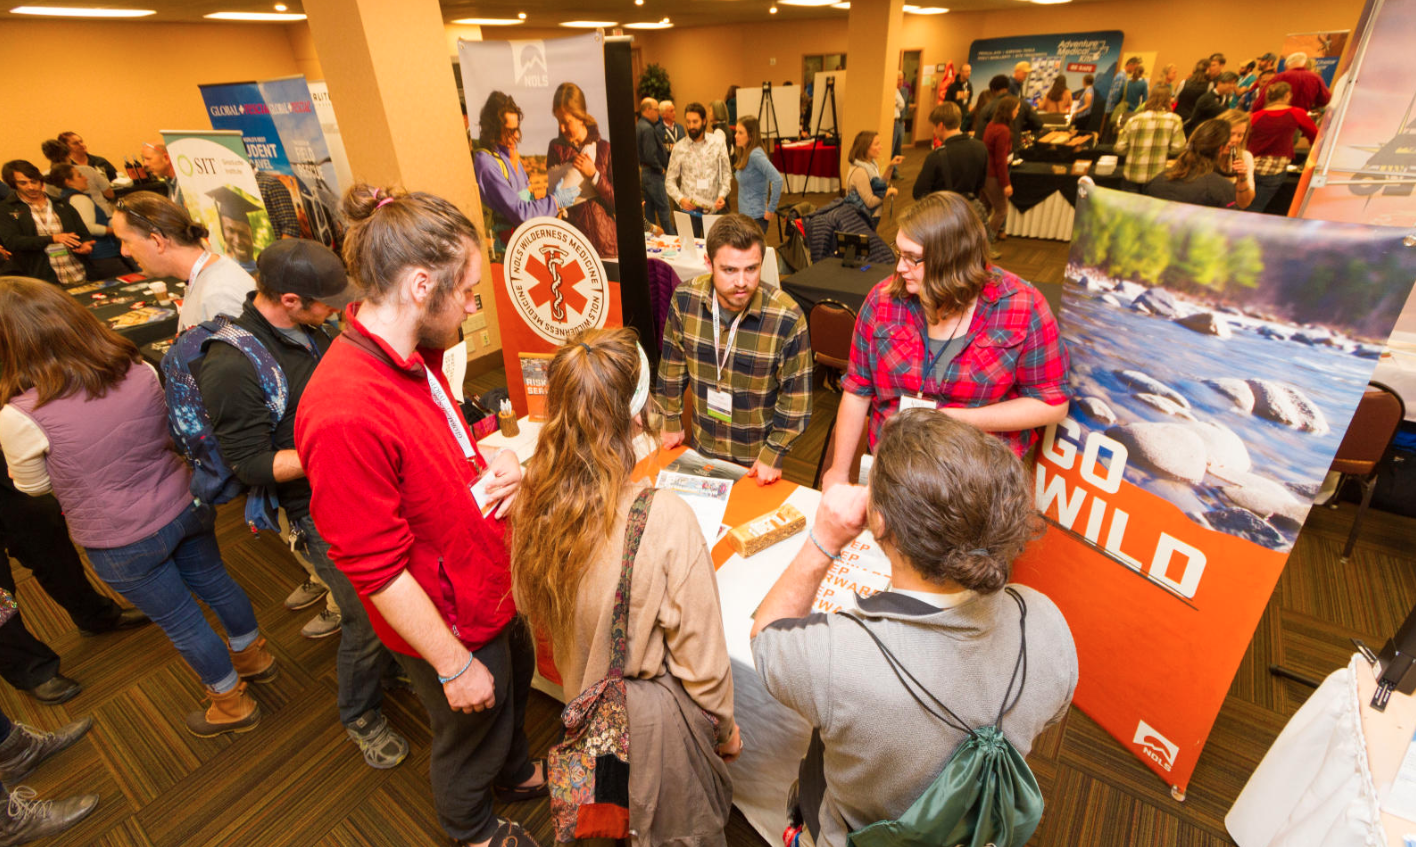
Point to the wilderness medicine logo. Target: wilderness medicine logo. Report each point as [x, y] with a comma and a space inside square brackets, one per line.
[555, 279]
[529, 60]
[1155, 746]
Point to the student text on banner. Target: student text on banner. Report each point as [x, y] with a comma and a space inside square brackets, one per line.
[286, 147]
[219, 188]
[1217, 358]
[537, 121]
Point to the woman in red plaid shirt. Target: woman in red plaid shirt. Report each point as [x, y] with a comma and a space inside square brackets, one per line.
[950, 331]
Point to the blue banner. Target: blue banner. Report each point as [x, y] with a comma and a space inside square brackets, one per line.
[287, 149]
[1070, 54]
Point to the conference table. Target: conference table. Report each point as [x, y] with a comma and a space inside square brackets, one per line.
[774, 737]
[1327, 777]
[812, 166]
[139, 308]
[828, 279]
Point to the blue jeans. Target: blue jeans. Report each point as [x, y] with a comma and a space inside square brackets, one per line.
[362, 661]
[1265, 187]
[161, 573]
[656, 200]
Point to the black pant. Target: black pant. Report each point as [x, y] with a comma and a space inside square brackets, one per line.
[32, 529]
[472, 752]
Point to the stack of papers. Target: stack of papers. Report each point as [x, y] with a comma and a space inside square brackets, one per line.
[707, 497]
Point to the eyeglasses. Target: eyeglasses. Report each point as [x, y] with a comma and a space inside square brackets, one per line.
[912, 261]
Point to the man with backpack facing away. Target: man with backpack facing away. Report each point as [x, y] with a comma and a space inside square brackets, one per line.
[301, 284]
[952, 659]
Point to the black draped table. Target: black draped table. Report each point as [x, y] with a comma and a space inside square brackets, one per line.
[829, 280]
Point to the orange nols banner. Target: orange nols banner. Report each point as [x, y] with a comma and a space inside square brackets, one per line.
[1216, 360]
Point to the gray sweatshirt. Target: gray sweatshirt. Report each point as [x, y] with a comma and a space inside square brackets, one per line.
[875, 750]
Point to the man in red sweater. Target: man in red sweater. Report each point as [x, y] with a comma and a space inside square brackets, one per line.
[1309, 90]
[412, 511]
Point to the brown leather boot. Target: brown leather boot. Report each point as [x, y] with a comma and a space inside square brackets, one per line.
[231, 711]
[255, 663]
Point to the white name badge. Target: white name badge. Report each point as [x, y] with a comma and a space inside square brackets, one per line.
[720, 405]
[479, 492]
[907, 402]
[703, 184]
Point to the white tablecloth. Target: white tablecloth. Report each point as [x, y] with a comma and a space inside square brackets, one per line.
[1052, 218]
[1397, 369]
[1320, 783]
[667, 248]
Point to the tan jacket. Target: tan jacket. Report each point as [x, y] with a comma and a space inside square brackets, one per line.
[675, 621]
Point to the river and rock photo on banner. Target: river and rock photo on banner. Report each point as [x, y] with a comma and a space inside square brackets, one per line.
[1217, 359]
[1227, 351]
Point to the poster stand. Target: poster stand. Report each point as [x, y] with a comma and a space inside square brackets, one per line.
[828, 100]
[771, 109]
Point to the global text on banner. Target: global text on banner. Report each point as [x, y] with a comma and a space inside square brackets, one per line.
[221, 192]
[1072, 55]
[537, 113]
[1217, 358]
[286, 147]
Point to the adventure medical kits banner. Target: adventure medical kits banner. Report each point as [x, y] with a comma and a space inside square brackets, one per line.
[1073, 55]
[1217, 358]
[280, 126]
[220, 191]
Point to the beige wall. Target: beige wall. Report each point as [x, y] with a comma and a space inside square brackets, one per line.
[703, 61]
[90, 78]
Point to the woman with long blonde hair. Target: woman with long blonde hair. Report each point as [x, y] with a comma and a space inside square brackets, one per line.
[577, 511]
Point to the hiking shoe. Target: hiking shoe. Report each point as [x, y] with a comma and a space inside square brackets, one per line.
[55, 690]
[25, 818]
[307, 594]
[26, 747]
[382, 746]
[323, 625]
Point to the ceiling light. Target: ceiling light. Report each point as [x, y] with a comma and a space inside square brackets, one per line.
[489, 21]
[521, 15]
[806, 2]
[590, 24]
[639, 2]
[650, 25]
[69, 12]
[846, 5]
[772, 11]
[1050, 2]
[281, 7]
[930, 10]
[261, 17]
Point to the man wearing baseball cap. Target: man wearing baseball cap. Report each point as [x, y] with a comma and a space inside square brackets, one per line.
[300, 285]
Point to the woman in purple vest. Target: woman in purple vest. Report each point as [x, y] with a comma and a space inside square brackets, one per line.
[83, 416]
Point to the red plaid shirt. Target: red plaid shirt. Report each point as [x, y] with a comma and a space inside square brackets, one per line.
[1014, 350]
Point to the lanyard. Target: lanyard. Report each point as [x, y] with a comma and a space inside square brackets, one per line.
[445, 405]
[927, 362]
[723, 357]
[197, 268]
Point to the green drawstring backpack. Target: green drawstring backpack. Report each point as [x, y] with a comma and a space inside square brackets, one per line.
[986, 794]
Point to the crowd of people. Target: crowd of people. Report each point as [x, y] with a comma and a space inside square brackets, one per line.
[439, 561]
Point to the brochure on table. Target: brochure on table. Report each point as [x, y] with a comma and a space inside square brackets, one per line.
[744, 582]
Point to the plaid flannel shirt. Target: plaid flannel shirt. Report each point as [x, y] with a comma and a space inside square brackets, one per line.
[1148, 139]
[769, 374]
[1014, 350]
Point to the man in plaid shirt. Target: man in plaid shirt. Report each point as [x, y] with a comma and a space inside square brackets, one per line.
[744, 350]
[1148, 138]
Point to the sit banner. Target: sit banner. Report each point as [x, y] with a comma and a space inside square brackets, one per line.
[280, 126]
[220, 192]
[537, 113]
[1217, 358]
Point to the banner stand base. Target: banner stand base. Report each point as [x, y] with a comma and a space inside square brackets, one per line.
[1177, 793]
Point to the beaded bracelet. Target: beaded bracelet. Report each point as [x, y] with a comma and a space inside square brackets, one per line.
[812, 535]
[446, 679]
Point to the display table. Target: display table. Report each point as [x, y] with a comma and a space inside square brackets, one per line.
[774, 737]
[1322, 780]
[811, 166]
[1397, 369]
[668, 249]
[129, 306]
[829, 280]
